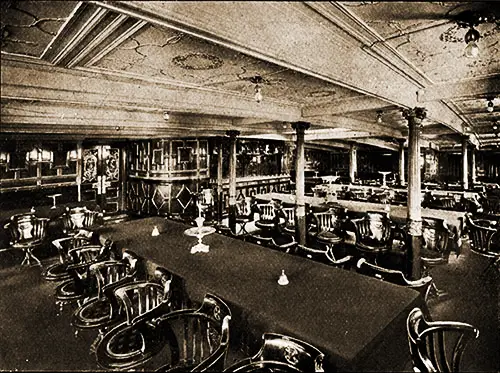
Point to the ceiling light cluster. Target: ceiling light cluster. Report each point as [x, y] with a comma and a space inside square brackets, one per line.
[469, 19]
[257, 80]
[379, 116]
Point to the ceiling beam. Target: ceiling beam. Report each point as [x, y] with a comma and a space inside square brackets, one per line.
[371, 128]
[379, 143]
[484, 86]
[343, 106]
[98, 89]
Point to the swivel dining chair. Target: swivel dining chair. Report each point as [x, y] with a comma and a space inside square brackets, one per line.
[484, 241]
[27, 232]
[330, 227]
[374, 235]
[59, 271]
[81, 284]
[104, 311]
[245, 210]
[270, 217]
[435, 248]
[196, 340]
[281, 353]
[437, 346]
[136, 340]
[77, 218]
[421, 285]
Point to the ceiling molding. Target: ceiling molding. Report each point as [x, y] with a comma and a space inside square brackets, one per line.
[373, 43]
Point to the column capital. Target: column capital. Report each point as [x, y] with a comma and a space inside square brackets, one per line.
[301, 126]
[233, 133]
[416, 114]
[401, 142]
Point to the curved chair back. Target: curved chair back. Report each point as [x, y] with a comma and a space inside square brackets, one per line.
[142, 300]
[65, 244]
[329, 221]
[282, 353]
[422, 285]
[198, 339]
[436, 236]
[437, 346]
[111, 273]
[266, 211]
[244, 208]
[324, 256]
[374, 230]
[78, 218]
[481, 238]
[289, 214]
[26, 229]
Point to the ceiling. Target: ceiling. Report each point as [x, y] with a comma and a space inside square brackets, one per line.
[112, 69]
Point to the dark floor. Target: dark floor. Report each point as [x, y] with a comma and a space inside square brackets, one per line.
[34, 337]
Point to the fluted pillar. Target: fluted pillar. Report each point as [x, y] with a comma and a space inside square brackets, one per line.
[300, 207]
[402, 180]
[415, 117]
[465, 163]
[353, 162]
[232, 178]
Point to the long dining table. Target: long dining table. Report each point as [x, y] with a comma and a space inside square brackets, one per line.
[357, 321]
[455, 220]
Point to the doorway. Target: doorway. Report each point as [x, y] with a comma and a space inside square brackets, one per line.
[101, 177]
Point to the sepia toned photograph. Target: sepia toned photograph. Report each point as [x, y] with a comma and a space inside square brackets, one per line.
[250, 186]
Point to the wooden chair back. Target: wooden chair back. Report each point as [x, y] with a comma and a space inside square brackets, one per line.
[481, 238]
[394, 276]
[436, 236]
[282, 353]
[198, 339]
[78, 218]
[141, 299]
[437, 346]
[329, 221]
[374, 228]
[26, 229]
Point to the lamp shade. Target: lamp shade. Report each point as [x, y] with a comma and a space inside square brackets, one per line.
[471, 50]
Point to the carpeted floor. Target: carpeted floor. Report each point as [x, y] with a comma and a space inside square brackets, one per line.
[34, 337]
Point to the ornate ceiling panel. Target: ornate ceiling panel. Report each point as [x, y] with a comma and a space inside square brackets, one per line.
[29, 26]
[427, 34]
[168, 54]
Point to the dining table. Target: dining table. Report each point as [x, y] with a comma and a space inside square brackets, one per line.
[455, 220]
[358, 322]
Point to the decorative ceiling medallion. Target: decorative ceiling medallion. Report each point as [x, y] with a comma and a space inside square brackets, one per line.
[319, 94]
[198, 61]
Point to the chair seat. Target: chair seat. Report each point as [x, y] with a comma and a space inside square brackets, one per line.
[329, 237]
[27, 244]
[56, 272]
[372, 245]
[70, 291]
[127, 346]
[264, 224]
[95, 312]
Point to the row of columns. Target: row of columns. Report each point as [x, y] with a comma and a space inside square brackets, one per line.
[353, 163]
[414, 217]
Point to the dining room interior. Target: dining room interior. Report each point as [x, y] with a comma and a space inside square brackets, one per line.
[250, 186]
